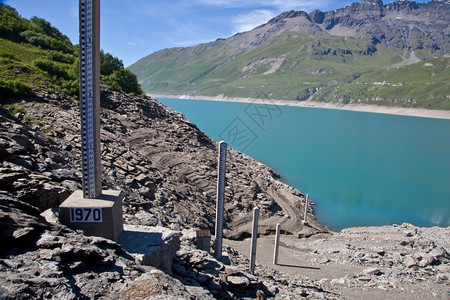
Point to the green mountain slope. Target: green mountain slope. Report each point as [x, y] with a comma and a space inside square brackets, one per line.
[422, 85]
[34, 53]
[320, 57]
[298, 62]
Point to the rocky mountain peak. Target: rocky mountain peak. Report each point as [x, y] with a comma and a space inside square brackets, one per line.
[317, 16]
[372, 2]
[397, 24]
[289, 15]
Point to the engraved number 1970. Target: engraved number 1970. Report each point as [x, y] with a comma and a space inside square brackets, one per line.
[85, 215]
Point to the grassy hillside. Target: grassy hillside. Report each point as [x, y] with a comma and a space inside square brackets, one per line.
[286, 68]
[425, 84]
[33, 52]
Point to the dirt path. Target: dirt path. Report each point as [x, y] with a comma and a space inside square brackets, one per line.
[289, 259]
[344, 262]
[290, 216]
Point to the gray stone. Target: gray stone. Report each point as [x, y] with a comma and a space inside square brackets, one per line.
[231, 271]
[240, 282]
[51, 215]
[158, 285]
[409, 262]
[406, 243]
[379, 252]
[214, 285]
[372, 271]
[440, 254]
[440, 277]
[202, 278]
[426, 260]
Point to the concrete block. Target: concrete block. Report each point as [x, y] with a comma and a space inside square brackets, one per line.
[98, 217]
[203, 240]
[151, 246]
[225, 259]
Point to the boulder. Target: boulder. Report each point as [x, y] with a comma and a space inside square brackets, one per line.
[239, 283]
[440, 254]
[426, 260]
[409, 261]
[158, 285]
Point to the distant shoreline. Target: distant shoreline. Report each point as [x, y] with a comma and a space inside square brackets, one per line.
[403, 111]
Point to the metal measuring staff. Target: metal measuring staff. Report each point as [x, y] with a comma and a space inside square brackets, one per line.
[254, 240]
[90, 96]
[277, 244]
[220, 198]
[305, 221]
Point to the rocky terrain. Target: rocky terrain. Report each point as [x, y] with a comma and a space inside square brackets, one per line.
[382, 262]
[162, 162]
[165, 166]
[167, 169]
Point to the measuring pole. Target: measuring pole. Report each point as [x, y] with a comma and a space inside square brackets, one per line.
[277, 244]
[96, 212]
[220, 198]
[254, 238]
[305, 221]
[90, 97]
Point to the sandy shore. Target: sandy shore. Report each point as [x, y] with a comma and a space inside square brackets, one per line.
[404, 111]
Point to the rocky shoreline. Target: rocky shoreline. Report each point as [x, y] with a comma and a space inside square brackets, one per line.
[166, 167]
[391, 110]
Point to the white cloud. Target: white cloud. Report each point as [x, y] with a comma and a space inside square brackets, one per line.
[188, 34]
[246, 22]
[279, 5]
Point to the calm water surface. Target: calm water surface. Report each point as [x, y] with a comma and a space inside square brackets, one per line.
[359, 168]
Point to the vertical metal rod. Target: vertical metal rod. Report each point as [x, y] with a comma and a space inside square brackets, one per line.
[254, 238]
[220, 198]
[277, 244]
[89, 20]
[305, 221]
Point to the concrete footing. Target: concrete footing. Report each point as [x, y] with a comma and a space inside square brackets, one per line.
[151, 246]
[98, 217]
[203, 240]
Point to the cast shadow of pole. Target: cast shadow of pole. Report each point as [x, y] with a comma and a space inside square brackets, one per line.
[299, 267]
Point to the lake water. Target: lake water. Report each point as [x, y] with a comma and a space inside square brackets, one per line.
[359, 168]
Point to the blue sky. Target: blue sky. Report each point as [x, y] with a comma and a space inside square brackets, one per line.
[132, 29]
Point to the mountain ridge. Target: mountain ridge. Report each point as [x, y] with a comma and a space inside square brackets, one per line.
[278, 59]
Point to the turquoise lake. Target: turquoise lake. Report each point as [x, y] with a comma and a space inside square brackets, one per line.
[358, 168]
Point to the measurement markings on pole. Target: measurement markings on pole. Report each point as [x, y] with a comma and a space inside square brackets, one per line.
[88, 92]
[222, 162]
[220, 197]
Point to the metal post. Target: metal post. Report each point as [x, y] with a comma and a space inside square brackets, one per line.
[254, 238]
[306, 209]
[277, 244]
[90, 97]
[220, 198]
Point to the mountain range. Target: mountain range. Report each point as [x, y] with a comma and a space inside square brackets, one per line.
[166, 168]
[367, 52]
